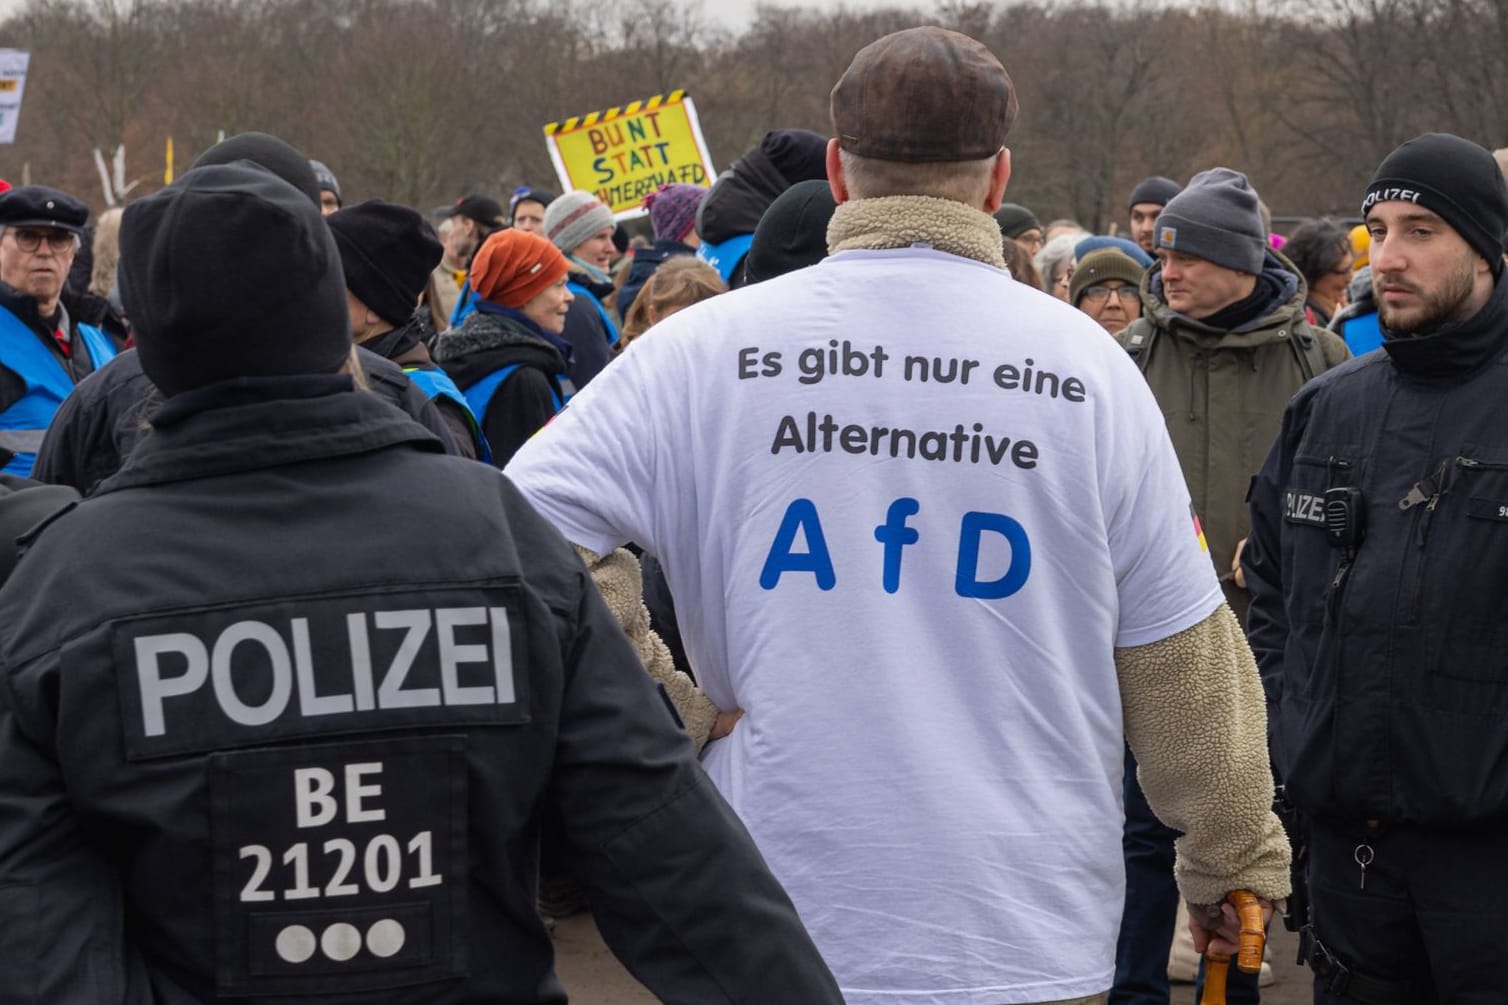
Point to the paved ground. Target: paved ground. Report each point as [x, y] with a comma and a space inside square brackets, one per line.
[593, 977]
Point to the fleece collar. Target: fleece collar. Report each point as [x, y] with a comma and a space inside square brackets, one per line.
[905, 221]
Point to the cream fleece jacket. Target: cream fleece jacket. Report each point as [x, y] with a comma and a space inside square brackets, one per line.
[903, 221]
[1197, 723]
[621, 584]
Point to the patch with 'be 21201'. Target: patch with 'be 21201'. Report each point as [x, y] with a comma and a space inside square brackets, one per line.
[339, 867]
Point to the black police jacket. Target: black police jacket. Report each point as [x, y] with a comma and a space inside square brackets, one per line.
[97, 425]
[281, 708]
[1386, 662]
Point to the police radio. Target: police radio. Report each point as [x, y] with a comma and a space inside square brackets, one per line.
[1345, 518]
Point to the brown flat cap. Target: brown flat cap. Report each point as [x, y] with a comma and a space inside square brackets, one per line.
[924, 95]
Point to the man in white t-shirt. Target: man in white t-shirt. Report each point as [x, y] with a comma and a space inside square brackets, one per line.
[924, 526]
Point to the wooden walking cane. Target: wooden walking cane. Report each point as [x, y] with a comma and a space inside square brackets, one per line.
[1249, 949]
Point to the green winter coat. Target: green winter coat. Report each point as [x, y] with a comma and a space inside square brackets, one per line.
[1222, 394]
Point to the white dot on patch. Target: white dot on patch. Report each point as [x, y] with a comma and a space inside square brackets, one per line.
[340, 942]
[385, 938]
[295, 944]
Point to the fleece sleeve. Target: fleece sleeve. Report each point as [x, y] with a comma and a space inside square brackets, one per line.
[1196, 721]
[620, 582]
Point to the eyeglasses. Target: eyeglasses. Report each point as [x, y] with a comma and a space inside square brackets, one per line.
[1099, 294]
[58, 240]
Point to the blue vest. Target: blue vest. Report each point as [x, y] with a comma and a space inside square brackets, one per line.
[23, 425]
[436, 383]
[1362, 333]
[725, 257]
[480, 394]
[607, 319]
[465, 304]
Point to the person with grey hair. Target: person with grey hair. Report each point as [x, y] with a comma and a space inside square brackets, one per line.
[1054, 262]
[45, 349]
[856, 470]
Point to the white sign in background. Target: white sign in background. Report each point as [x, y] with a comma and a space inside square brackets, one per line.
[13, 63]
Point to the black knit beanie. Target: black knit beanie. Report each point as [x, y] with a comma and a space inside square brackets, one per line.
[798, 154]
[792, 234]
[387, 253]
[286, 161]
[1156, 190]
[231, 272]
[1453, 178]
[1015, 219]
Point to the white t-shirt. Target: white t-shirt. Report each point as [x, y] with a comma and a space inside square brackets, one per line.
[908, 507]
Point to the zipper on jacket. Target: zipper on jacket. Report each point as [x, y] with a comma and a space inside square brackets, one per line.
[1337, 589]
[1473, 464]
[1197, 361]
[1424, 498]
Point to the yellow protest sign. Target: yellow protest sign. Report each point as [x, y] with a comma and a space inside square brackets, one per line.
[622, 154]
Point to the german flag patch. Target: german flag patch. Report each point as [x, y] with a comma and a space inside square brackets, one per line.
[1204, 545]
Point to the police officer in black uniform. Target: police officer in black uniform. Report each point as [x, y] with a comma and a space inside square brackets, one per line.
[1377, 562]
[255, 745]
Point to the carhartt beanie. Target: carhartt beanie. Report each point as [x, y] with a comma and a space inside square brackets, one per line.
[792, 234]
[1216, 218]
[798, 154]
[1453, 178]
[286, 161]
[574, 217]
[387, 253]
[1015, 219]
[1156, 189]
[672, 210]
[231, 272]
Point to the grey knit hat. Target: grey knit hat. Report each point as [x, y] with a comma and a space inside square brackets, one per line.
[1216, 218]
[574, 217]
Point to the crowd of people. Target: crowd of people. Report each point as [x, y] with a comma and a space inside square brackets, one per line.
[886, 597]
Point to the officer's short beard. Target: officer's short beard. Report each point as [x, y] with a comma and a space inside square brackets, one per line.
[1449, 302]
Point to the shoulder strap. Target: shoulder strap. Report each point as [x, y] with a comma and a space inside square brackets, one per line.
[436, 383]
[1309, 353]
[480, 394]
[1139, 346]
[464, 305]
[607, 319]
[101, 348]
